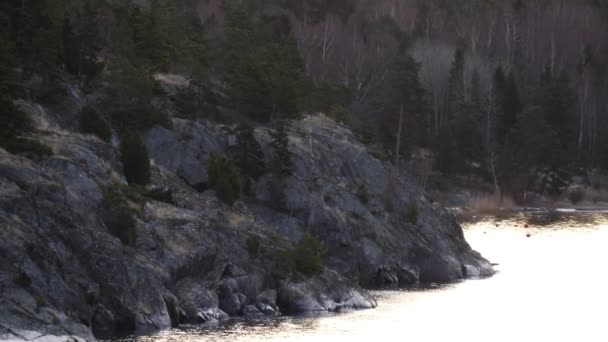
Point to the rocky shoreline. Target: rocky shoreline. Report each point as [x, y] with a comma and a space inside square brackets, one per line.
[62, 273]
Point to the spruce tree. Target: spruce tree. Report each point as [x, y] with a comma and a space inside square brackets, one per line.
[508, 103]
[456, 89]
[557, 100]
[406, 105]
[248, 153]
[282, 163]
[467, 126]
[135, 160]
[224, 179]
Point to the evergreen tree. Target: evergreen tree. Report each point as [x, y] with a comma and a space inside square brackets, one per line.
[71, 50]
[224, 179]
[557, 100]
[135, 160]
[445, 150]
[13, 122]
[130, 101]
[467, 125]
[282, 163]
[507, 101]
[531, 143]
[248, 153]
[456, 88]
[263, 67]
[406, 104]
[90, 45]
[93, 122]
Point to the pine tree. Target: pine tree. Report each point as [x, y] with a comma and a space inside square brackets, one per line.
[282, 163]
[262, 66]
[531, 143]
[71, 50]
[467, 126]
[407, 121]
[557, 100]
[135, 160]
[224, 179]
[248, 153]
[456, 88]
[91, 44]
[508, 103]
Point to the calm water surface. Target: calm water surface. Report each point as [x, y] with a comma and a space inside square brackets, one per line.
[551, 286]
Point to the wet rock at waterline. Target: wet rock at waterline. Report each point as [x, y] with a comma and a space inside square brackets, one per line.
[197, 260]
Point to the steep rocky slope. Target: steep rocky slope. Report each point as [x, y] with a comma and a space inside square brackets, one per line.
[63, 274]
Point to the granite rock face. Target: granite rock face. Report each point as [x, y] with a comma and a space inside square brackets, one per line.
[64, 275]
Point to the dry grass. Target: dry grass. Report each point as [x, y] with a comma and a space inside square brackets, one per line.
[594, 196]
[491, 203]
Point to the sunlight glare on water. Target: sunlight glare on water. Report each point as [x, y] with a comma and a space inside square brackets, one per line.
[551, 286]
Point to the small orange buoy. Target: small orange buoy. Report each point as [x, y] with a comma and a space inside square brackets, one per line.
[526, 226]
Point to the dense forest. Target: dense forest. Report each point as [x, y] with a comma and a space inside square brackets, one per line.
[496, 88]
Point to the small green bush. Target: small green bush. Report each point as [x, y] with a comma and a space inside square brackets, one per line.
[160, 195]
[576, 196]
[411, 213]
[305, 258]
[135, 160]
[29, 148]
[363, 194]
[224, 179]
[92, 122]
[389, 203]
[253, 246]
[118, 216]
[52, 93]
[14, 123]
[277, 198]
[23, 280]
[308, 256]
[40, 301]
[140, 116]
[54, 187]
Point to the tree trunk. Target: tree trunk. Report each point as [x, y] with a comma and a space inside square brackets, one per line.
[399, 129]
[492, 162]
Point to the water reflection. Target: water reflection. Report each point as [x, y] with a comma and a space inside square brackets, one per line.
[551, 287]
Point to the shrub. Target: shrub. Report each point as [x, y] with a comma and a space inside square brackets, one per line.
[40, 301]
[248, 153]
[160, 195]
[304, 258]
[92, 122]
[29, 148]
[363, 194]
[365, 133]
[411, 213]
[12, 120]
[13, 124]
[339, 113]
[224, 179]
[576, 196]
[23, 280]
[118, 216]
[253, 246]
[51, 93]
[389, 203]
[135, 160]
[277, 199]
[282, 161]
[140, 116]
[307, 256]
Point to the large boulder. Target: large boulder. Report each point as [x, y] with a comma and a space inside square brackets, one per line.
[327, 293]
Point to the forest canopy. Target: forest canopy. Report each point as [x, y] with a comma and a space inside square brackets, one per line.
[497, 88]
